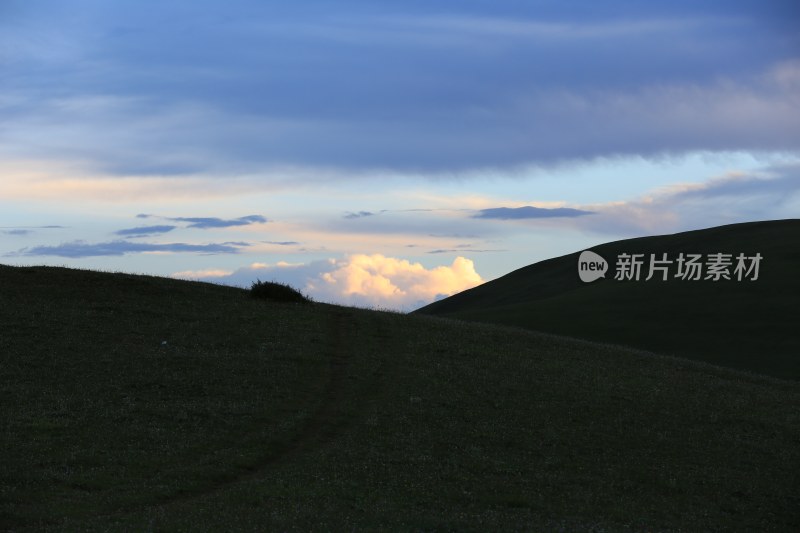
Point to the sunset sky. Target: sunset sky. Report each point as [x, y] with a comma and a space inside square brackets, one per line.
[385, 153]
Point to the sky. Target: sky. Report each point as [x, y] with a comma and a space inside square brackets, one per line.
[385, 154]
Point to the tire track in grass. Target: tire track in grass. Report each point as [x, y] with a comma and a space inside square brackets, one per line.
[320, 428]
[323, 425]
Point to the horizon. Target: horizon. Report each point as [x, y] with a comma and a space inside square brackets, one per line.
[386, 155]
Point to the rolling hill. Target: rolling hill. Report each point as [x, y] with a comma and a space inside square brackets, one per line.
[749, 324]
[136, 403]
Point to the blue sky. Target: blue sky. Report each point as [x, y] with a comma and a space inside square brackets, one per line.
[385, 153]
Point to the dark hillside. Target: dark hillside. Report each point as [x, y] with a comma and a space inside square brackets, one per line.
[750, 325]
[134, 403]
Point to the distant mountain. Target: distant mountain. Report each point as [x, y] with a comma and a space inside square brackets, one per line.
[749, 324]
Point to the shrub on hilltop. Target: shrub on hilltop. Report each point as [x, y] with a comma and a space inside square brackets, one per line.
[279, 292]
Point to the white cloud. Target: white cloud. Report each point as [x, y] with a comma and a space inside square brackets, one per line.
[383, 281]
[363, 280]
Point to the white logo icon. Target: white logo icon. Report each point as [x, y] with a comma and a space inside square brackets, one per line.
[591, 266]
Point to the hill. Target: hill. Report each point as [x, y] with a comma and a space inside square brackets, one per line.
[748, 324]
[147, 404]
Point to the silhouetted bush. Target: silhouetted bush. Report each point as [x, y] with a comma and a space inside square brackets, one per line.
[279, 292]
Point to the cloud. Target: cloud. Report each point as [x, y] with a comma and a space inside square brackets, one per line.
[516, 213]
[282, 243]
[209, 274]
[461, 249]
[407, 285]
[33, 227]
[359, 214]
[21, 231]
[430, 88]
[378, 280]
[410, 222]
[46, 178]
[211, 222]
[363, 280]
[454, 235]
[78, 249]
[199, 222]
[144, 231]
[773, 193]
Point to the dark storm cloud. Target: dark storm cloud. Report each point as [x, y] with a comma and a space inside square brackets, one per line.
[516, 213]
[79, 249]
[243, 86]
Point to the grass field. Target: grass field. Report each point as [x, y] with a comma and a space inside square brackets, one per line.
[748, 325]
[132, 403]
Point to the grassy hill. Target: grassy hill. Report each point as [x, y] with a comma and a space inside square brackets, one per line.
[147, 404]
[750, 325]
